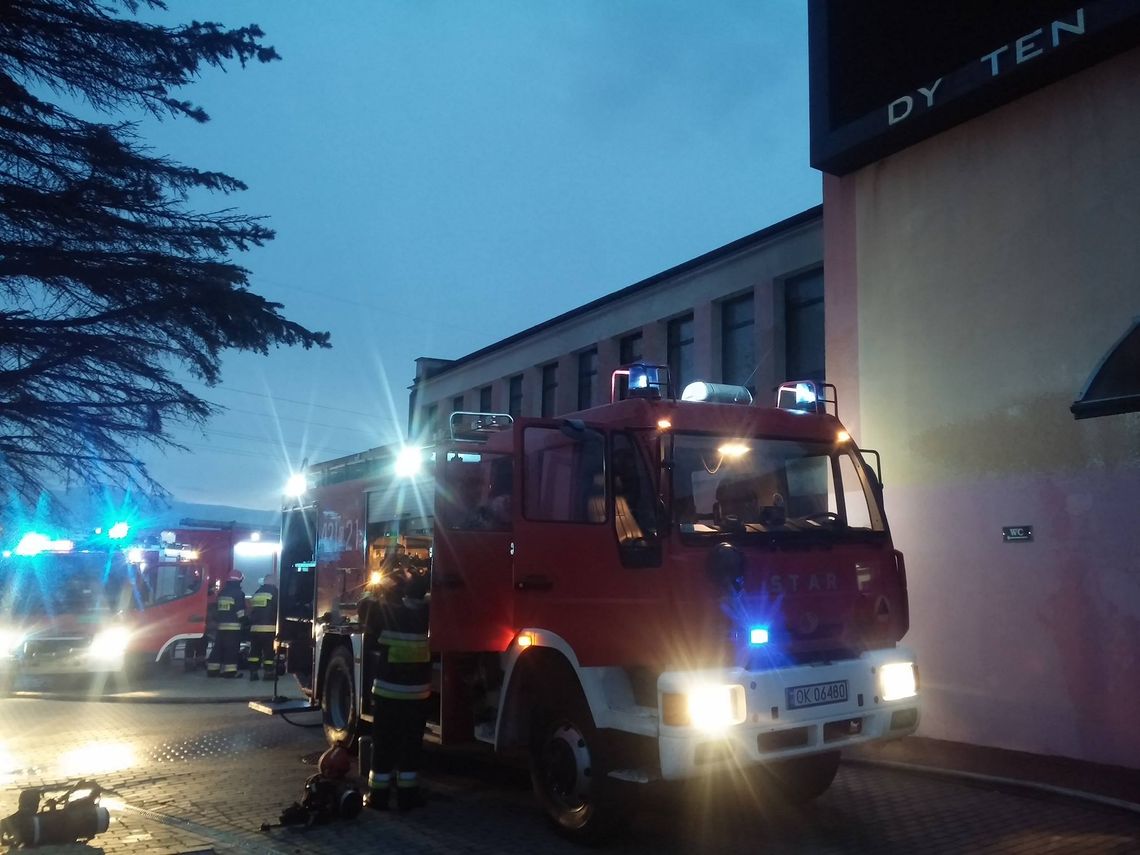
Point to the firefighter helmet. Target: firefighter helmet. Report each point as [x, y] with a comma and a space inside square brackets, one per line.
[236, 576]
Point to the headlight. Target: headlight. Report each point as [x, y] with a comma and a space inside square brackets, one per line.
[10, 641]
[710, 708]
[109, 645]
[897, 680]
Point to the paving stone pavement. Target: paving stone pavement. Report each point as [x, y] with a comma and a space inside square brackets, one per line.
[203, 778]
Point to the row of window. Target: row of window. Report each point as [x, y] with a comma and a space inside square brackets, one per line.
[804, 352]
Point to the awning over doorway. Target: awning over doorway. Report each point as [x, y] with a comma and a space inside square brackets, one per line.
[1114, 386]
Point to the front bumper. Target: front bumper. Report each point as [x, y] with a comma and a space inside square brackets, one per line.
[59, 656]
[771, 730]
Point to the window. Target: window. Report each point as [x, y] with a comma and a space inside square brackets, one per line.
[427, 419]
[680, 346]
[457, 404]
[635, 500]
[738, 353]
[803, 325]
[170, 581]
[514, 397]
[478, 494]
[564, 478]
[629, 350]
[587, 375]
[485, 399]
[549, 389]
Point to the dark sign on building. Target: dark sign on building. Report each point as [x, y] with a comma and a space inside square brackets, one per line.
[888, 73]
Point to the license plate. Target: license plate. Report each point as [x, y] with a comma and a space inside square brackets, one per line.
[816, 694]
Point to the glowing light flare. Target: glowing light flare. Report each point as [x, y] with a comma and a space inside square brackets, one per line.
[118, 531]
[297, 485]
[664, 424]
[525, 639]
[805, 393]
[843, 436]
[715, 708]
[33, 543]
[109, 645]
[897, 680]
[97, 757]
[375, 577]
[758, 635]
[409, 461]
[135, 555]
[733, 450]
[255, 548]
[10, 639]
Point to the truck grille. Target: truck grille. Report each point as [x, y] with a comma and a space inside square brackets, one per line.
[47, 647]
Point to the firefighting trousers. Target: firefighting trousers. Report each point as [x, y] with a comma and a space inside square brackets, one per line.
[227, 650]
[397, 742]
[261, 656]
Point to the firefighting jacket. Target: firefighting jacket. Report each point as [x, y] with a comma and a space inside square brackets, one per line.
[263, 609]
[231, 607]
[400, 627]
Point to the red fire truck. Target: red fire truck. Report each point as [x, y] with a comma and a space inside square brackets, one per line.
[655, 588]
[114, 600]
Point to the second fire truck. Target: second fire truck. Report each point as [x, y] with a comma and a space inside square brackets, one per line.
[652, 589]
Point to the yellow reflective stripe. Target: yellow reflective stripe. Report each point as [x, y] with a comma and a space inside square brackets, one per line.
[263, 627]
[227, 669]
[389, 635]
[225, 603]
[396, 691]
[406, 652]
[261, 600]
[229, 626]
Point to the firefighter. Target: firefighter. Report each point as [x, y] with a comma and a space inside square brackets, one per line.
[231, 614]
[398, 620]
[209, 644]
[262, 629]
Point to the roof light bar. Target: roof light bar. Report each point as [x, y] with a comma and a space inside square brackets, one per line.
[716, 393]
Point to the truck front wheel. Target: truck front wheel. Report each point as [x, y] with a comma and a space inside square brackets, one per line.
[569, 775]
[338, 699]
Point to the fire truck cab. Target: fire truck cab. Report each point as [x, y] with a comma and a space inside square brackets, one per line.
[111, 601]
[655, 588]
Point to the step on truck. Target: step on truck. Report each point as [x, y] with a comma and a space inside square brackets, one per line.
[652, 589]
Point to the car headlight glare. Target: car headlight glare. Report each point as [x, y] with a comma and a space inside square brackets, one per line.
[10, 641]
[711, 708]
[897, 680]
[109, 644]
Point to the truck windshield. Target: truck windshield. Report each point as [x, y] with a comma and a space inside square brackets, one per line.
[730, 484]
[63, 584]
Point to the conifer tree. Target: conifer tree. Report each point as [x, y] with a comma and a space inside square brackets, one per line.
[111, 285]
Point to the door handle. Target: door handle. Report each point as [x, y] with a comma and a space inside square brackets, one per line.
[534, 582]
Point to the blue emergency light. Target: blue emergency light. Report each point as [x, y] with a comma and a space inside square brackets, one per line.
[758, 635]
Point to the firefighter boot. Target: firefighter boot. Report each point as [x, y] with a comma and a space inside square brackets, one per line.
[379, 787]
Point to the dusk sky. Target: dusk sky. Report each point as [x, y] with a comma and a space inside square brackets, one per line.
[444, 174]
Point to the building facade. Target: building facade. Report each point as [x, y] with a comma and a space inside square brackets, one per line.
[981, 220]
[750, 312]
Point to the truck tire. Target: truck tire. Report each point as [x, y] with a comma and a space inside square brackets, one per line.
[568, 773]
[801, 779]
[339, 705]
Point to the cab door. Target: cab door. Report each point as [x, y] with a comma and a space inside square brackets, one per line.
[576, 571]
[471, 585]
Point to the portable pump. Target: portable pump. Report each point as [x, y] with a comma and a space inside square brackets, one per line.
[72, 814]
